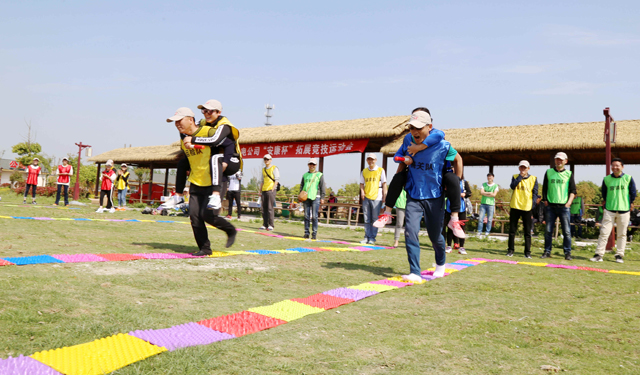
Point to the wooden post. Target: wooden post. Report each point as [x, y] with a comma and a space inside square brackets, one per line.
[97, 192]
[166, 181]
[572, 168]
[491, 168]
[150, 181]
[384, 165]
[362, 164]
[607, 135]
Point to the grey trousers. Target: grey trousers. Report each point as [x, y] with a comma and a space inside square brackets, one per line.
[399, 222]
[268, 213]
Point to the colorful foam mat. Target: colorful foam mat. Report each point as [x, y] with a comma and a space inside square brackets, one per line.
[109, 354]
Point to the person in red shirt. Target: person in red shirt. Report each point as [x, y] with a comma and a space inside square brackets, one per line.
[106, 188]
[64, 172]
[32, 180]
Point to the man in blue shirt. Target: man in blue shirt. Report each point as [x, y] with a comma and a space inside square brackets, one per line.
[424, 192]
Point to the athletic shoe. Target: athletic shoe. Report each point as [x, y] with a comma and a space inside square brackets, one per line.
[383, 220]
[263, 227]
[231, 239]
[462, 251]
[454, 225]
[371, 242]
[509, 253]
[24, 201]
[228, 217]
[112, 210]
[202, 253]
[306, 236]
[270, 228]
[528, 256]
[55, 204]
[100, 210]
[546, 255]
[313, 236]
[447, 249]
[568, 257]
[619, 259]
[596, 258]
[214, 202]
[365, 241]
[456, 246]
[412, 277]
[34, 202]
[439, 272]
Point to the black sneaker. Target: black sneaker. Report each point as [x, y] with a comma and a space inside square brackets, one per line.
[619, 259]
[202, 253]
[527, 255]
[568, 257]
[306, 236]
[509, 253]
[596, 258]
[545, 255]
[313, 237]
[231, 239]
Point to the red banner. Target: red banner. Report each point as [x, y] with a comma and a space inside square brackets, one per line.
[302, 149]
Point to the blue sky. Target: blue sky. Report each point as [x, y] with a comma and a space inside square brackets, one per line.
[109, 73]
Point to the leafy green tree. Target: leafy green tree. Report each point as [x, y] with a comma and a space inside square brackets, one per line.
[144, 176]
[252, 185]
[589, 192]
[350, 190]
[16, 176]
[87, 172]
[26, 151]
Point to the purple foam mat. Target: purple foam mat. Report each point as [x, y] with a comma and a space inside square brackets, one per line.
[562, 266]
[181, 336]
[424, 275]
[77, 258]
[42, 218]
[399, 284]
[25, 366]
[353, 294]
[361, 248]
[455, 266]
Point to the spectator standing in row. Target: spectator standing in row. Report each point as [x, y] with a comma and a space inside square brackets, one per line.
[558, 191]
[448, 233]
[401, 204]
[64, 173]
[106, 187]
[32, 180]
[313, 184]
[122, 185]
[373, 190]
[618, 192]
[524, 186]
[269, 181]
[234, 193]
[488, 191]
[576, 210]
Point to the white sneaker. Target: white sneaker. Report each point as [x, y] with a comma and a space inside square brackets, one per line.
[214, 202]
[112, 210]
[270, 228]
[383, 220]
[439, 272]
[447, 249]
[371, 242]
[462, 251]
[263, 227]
[100, 210]
[365, 241]
[412, 278]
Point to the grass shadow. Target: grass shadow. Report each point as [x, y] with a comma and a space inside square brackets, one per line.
[168, 246]
[381, 271]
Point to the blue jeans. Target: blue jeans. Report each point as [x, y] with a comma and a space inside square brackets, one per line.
[62, 187]
[122, 198]
[488, 210]
[552, 213]
[371, 211]
[433, 212]
[311, 213]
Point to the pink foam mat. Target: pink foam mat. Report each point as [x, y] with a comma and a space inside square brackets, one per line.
[399, 284]
[79, 258]
[162, 255]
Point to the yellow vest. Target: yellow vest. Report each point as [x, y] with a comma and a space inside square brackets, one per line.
[267, 183]
[199, 160]
[522, 196]
[235, 132]
[371, 182]
[122, 184]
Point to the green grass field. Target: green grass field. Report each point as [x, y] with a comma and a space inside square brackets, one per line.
[488, 319]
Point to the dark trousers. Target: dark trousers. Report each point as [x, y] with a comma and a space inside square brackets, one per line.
[66, 194]
[527, 222]
[200, 216]
[234, 196]
[268, 213]
[106, 193]
[448, 233]
[33, 191]
[450, 181]
[433, 212]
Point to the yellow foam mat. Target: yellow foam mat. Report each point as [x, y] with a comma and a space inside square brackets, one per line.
[337, 248]
[236, 252]
[98, 357]
[625, 272]
[295, 238]
[475, 261]
[286, 310]
[446, 270]
[373, 287]
[6, 217]
[249, 231]
[534, 264]
[400, 279]
[218, 254]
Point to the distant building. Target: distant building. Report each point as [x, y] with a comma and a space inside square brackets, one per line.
[8, 166]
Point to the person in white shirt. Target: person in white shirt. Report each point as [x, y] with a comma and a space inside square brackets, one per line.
[233, 194]
[373, 190]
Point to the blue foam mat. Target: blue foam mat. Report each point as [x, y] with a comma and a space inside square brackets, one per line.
[35, 259]
[301, 250]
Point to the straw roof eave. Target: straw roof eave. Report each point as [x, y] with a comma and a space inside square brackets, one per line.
[144, 155]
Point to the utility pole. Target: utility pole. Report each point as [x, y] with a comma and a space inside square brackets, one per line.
[609, 137]
[76, 190]
[268, 114]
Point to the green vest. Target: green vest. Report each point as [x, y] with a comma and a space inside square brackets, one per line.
[489, 189]
[558, 186]
[576, 205]
[311, 183]
[401, 202]
[617, 192]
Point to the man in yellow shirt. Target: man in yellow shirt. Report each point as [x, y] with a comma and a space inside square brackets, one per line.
[373, 190]
[199, 162]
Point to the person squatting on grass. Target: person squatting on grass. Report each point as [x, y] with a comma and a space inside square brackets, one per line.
[32, 180]
[313, 185]
[122, 185]
[64, 173]
[424, 192]
[199, 162]
[268, 183]
[373, 190]
[450, 180]
[525, 187]
[558, 191]
[106, 187]
[458, 243]
[488, 191]
[618, 192]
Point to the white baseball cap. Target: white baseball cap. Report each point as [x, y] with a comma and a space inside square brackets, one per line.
[123, 165]
[371, 155]
[561, 155]
[65, 159]
[36, 159]
[525, 163]
[313, 161]
[267, 156]
[211, 104]
[420, 119]
[110, 162]
[181, 113]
